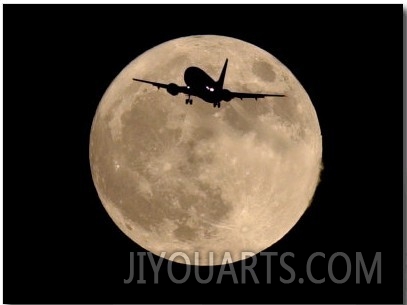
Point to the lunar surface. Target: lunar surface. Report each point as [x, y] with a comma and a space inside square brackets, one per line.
[194, 178]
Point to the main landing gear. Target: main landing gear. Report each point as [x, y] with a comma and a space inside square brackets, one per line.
[188, 100]
[216, 104]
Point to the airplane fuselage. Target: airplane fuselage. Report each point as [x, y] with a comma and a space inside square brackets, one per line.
[202, 85]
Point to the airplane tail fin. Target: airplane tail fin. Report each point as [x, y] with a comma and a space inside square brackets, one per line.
[222, 74]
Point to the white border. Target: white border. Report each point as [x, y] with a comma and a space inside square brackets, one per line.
[204, 2]
[404, 2]
[1, 155]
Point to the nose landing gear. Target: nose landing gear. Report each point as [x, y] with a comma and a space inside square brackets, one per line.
[188, 100]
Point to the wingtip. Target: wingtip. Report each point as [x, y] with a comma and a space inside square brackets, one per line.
[277, 95]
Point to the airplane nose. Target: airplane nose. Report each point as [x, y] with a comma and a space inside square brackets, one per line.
[188, 75]
[195, 77]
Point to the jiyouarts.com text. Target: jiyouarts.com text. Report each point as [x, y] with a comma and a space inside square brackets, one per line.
[337, 268]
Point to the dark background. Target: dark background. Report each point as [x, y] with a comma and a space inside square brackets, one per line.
[60, 246]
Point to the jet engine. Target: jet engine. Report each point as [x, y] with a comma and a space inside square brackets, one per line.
[226, 95]
[173, 89]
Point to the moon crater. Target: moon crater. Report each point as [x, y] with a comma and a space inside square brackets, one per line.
[264, 70]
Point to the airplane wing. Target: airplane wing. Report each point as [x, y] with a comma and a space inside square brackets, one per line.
[158, 85]
[242, 95]
[172, 88]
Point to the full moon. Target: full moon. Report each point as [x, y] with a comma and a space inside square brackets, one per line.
[201, 180]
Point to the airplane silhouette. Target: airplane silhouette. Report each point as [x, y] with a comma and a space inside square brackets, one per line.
[200, 84]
